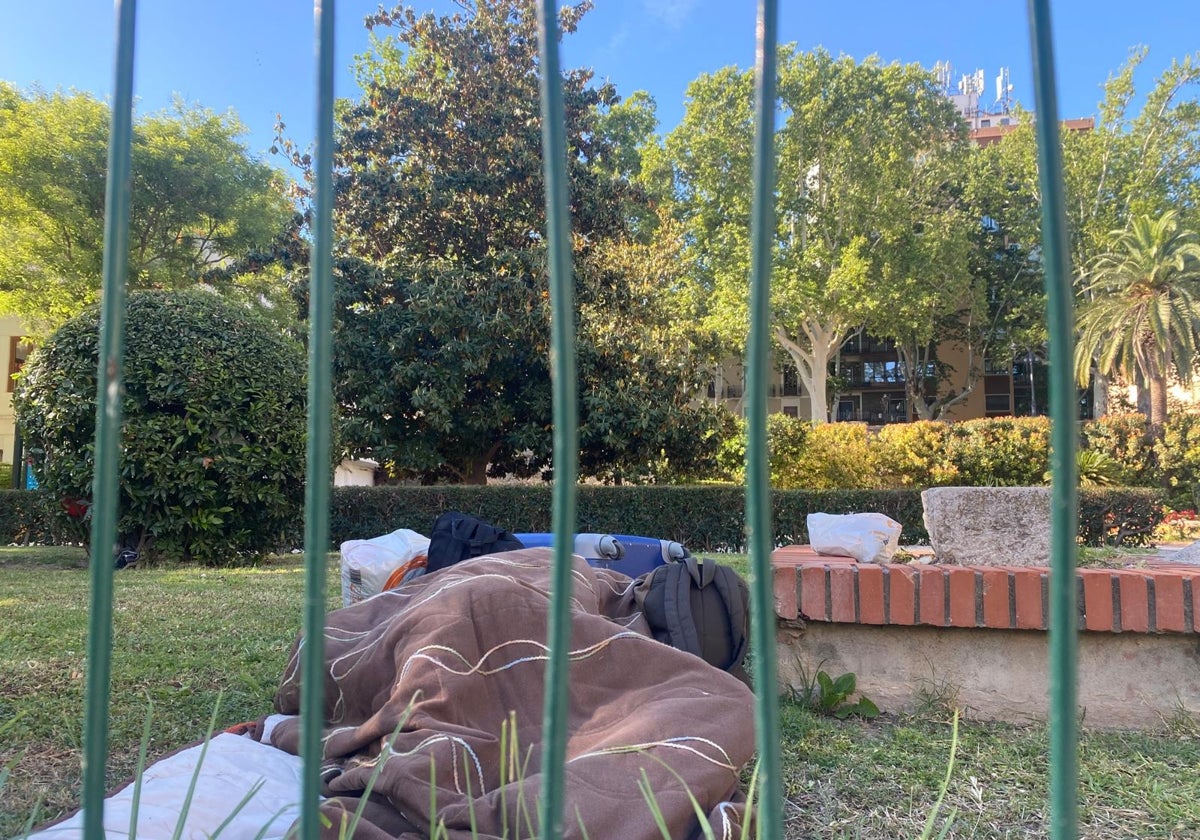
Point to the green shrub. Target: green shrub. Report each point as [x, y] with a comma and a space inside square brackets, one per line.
[212, 459]
[838, 456]
[1119, 516]
[1000, 451]
[26, 517]
[1122, 437]
[1097, 469]
[915, 455]
[1178, 457]
[792, 507]
[786, 440]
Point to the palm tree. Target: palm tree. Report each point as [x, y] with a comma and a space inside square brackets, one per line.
[1144, 313]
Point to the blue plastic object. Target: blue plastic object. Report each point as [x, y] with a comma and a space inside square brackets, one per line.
[625, 553]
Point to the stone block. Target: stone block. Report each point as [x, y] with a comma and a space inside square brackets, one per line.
[989, 526]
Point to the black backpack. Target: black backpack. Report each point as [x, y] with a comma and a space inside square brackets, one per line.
[459, 536]
[701, 607]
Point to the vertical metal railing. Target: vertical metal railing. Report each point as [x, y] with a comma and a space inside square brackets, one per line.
[105, 490]
[1063, 767]
[320, 405]
[759, 531]
[1064, 772]
[566, 449]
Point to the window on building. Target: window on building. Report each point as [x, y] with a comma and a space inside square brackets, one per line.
[791, 382]
[985, 123]
[18, 351]
[791, 411]
[997, 404]
[877, 372]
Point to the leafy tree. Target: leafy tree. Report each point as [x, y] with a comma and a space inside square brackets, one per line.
[1144, 314]
[197, 197]
[1129, 164]
[868, 230]
[442, 310]
[212, 460]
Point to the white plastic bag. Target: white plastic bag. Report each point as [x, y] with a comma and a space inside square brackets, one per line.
[867, 537]
[367, 564]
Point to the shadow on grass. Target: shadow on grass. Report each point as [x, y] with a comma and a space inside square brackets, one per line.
[43, 557]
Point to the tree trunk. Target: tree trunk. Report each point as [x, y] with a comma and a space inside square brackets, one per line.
[1099, 394]
[812, 363]
[474, 470]
[1158, 404]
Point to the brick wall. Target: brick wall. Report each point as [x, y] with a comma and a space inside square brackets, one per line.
[811, 587]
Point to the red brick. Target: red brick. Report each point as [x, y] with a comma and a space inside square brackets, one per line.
[1195, 628]
[962, 596]
[841, 593]
[1169, 616]
[812, 593]
[1027, 587]
[902, 597]
[996, 612]
[1135, 606]
[933, 595]
[1097, 599]
[783, 582]
[870, 594]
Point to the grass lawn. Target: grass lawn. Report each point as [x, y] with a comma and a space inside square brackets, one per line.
[183, 637]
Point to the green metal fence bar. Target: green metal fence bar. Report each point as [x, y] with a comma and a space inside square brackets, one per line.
[105, 491]
[566, 448]
[1060, 320]
[760, 533]
[320, 404]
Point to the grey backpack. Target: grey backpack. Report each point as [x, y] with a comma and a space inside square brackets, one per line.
[700, 607]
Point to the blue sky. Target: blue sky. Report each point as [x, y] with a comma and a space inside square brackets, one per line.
[256, 55]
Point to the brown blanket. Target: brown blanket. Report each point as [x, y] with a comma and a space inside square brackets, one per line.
[454, 664]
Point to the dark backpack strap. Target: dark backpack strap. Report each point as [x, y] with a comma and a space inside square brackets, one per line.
[728, 584]
[677, 606]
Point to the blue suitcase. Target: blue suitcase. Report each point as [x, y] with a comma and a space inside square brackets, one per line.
[625, 553]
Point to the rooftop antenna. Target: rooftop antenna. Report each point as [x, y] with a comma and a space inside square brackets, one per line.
[970, 86]
[1004, 91]
[943, 72]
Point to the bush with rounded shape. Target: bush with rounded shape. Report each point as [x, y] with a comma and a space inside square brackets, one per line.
[212, 463]
[1000, 451]
[786, 438]
[1124, 438]
[914, 455]
[837, 456]
[1178, 457]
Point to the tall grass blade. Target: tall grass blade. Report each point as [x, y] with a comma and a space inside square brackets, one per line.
[262, 832]
[245, 800]
[705, 826]
[432, 796]
[750, 794]
[33, 815]
[143, 747]
[384, 754]
[652, 803]
[931, 821]
[191, 791]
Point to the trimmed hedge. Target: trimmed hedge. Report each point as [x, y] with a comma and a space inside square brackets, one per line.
[1122, 516]
[708, 518]
[26, 516]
